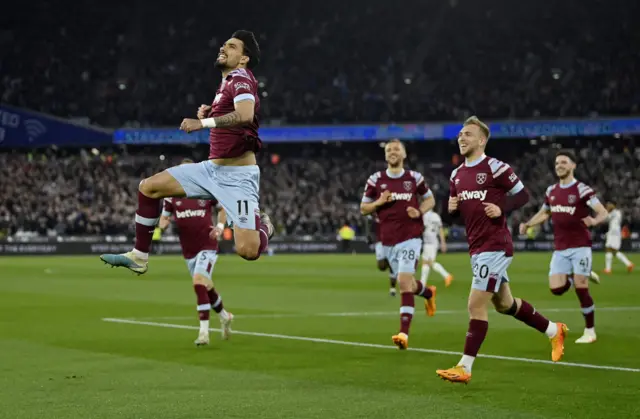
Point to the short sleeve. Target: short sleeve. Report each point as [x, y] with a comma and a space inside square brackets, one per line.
[241, 89]
[370, 192]
[506, 179]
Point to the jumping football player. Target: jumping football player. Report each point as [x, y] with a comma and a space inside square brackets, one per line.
[482, 191]
[569, 204]
[394, 195]
[199, 242]
[231, 174]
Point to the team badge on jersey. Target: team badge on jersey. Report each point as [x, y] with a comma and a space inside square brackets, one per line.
[178, 203]
[383, 186]
[572, 199]
[202, 202]
[407, 185]
[481, 178]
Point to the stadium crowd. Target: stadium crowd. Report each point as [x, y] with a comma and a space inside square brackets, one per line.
[327, 62]
[311, 189]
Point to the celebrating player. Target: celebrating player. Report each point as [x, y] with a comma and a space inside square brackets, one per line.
[614, 239]
[432, 231]
[231, 174]
[569, 203]
[482, 191]
[381, 257]
[199, 242]
[393, 195]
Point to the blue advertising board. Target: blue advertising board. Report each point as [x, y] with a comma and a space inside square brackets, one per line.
[20, 128]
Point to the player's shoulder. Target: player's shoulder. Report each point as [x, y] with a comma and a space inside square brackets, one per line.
[417, 176]
[240, 73]
[584, 189]
[497, 167]
[455, 171]
[550, 189]
[374, 178]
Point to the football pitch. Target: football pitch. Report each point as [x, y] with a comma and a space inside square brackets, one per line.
[312, 340]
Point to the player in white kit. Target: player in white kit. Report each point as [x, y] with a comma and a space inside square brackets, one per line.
[614, 239]
[432, 232]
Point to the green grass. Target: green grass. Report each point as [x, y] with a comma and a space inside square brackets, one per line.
[58, 359]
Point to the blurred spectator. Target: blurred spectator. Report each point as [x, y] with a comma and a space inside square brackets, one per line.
[310, 189]
[326, 62]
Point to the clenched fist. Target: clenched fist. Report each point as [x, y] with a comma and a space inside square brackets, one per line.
[189, 125]
[453, 204]
[203, 111]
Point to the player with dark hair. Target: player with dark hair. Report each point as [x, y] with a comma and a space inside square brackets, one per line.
[569, 204]
[483, 190]
[199, 242]
[231, 174]
[613, 240]
[394, 195]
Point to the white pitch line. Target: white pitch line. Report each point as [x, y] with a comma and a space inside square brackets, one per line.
[374, 345]
[373, 313]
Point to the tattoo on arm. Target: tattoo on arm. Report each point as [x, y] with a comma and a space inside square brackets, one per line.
[232, 119]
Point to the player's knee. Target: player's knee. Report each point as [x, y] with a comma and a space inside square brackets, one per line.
[248, 251]
[558, 291]
[147, 188]
[505, 307]
[428, 263]
[580, 281]
[199, 279]
[383, 265]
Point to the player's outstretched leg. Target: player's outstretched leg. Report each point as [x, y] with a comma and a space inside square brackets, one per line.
[588, 309]
[429, 295]
[424, 272]
[251, 243]
[407, 309]
[477, 332]
[150, 193]
[393, 282]
[608, 262]
[559, 284]
[622, 258]
[448, 278]
[204, 308]
[520, 309]
[225, 317]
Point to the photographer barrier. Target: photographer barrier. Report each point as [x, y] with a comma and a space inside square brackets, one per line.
[97, 247]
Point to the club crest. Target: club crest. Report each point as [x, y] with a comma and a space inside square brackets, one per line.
[178, 203]
[407, 185]
[481, 178]
[383, 186]
[572, 199]
[202, 202]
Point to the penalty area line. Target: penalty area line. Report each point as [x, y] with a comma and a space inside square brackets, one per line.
[372, 345]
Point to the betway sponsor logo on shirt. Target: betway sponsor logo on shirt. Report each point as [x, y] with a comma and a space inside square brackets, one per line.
[401, 196]
[563, 209]
[190, 213]
[466, 195]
